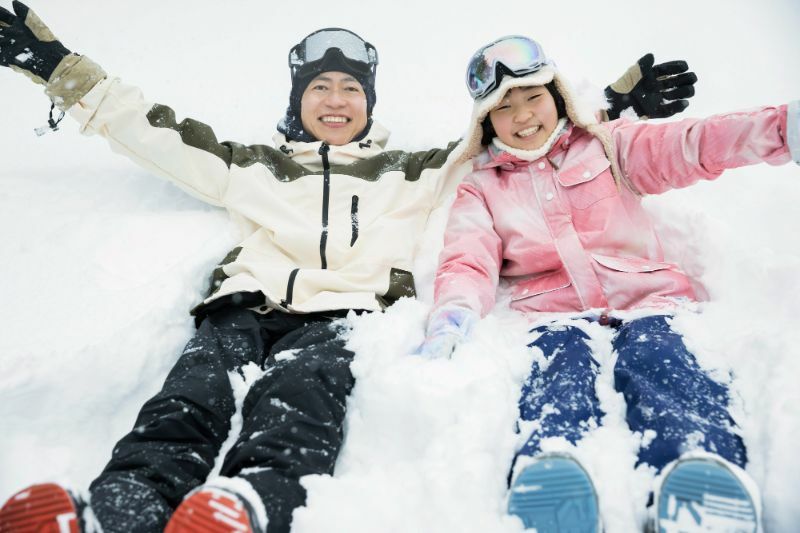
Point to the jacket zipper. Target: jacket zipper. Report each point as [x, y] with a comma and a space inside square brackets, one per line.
[354, 220]
[326, 194]
[290, 287]
[323, 240]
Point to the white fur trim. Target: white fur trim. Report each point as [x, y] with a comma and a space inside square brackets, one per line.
[542, 76]
[533, 155]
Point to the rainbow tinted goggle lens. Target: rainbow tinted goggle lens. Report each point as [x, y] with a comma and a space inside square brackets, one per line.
[519, 55]
[314, 47]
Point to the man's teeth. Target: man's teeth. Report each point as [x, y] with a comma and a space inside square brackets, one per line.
[334, 119]
[528, 131]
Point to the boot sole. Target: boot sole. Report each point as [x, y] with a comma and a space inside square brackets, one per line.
[555, 495]
[210, 511]
[45, 508]
[699, 495]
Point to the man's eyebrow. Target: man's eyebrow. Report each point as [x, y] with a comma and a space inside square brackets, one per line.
[322, 77]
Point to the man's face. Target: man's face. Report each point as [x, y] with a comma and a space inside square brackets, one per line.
[334, 108]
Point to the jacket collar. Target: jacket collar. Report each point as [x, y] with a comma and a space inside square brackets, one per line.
[494, 156]
[307, 153]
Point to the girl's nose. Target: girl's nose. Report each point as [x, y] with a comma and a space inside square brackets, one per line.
[523, 115]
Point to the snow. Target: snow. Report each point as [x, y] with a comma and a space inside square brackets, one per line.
[101, 261]
[24, 57]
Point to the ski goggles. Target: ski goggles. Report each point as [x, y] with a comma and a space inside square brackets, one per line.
[314, 47]
[519, 55]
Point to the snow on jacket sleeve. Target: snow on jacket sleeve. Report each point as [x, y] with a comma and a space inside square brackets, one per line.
[469, 264]
[659, 157]
[186, 153]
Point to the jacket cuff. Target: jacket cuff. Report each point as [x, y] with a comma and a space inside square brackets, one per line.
[793, 130]
[73, 78]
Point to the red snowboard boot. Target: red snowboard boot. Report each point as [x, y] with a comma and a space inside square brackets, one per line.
[45, 508]
[212, 510]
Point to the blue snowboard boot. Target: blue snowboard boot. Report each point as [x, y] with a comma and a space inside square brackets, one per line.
[555, 495]
[703, 493]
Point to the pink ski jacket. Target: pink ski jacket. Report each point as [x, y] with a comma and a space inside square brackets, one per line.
[562, 233]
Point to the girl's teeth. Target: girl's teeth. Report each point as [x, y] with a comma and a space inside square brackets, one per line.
[528, 132]
[334, 119]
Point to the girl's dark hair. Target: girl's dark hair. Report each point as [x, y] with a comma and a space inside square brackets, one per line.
[561, 108]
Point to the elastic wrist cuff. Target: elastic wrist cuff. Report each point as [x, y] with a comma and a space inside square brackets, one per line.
[793, 130]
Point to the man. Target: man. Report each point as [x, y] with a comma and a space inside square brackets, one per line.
[329, 219]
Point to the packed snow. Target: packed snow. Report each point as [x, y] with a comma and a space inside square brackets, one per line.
[102, 261]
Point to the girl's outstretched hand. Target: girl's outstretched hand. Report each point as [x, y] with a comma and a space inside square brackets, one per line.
[447, 327]
[653, 91]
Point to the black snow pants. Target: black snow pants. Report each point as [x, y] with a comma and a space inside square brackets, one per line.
[291, 420]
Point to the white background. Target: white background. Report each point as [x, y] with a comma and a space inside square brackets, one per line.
[101, 261]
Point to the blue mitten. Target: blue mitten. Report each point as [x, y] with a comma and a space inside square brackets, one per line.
[447, 327]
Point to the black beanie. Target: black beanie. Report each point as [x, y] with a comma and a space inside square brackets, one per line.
[291, 125]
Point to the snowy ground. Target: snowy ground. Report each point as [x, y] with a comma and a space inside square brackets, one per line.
[101, 261]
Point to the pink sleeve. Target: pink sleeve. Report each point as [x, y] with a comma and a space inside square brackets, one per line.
[469, 265]
[659, 157]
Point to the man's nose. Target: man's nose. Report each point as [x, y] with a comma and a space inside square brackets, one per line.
[335, 98]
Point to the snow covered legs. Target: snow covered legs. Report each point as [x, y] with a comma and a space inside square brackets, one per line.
[666, 392]
[291, 420]
[560, 395]
[178, 433]
[669, 399]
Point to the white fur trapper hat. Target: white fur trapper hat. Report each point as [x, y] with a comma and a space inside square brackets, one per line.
[579, 113]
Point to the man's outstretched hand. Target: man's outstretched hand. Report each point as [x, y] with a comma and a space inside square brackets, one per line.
[654, 91]
[26, 44]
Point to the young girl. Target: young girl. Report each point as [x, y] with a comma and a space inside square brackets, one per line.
[553, 208]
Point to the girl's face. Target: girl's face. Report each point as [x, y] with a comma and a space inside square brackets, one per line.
[525, 117]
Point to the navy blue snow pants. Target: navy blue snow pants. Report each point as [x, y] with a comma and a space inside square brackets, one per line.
[664, 389]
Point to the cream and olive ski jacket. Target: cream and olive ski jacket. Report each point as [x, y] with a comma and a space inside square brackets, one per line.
[325, 227]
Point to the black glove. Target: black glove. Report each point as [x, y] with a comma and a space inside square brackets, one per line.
[26, 43]
[655, 91]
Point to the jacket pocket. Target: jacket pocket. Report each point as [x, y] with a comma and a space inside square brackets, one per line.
[588, 181]
[630, 264]
[354, 220]
[542, 284]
